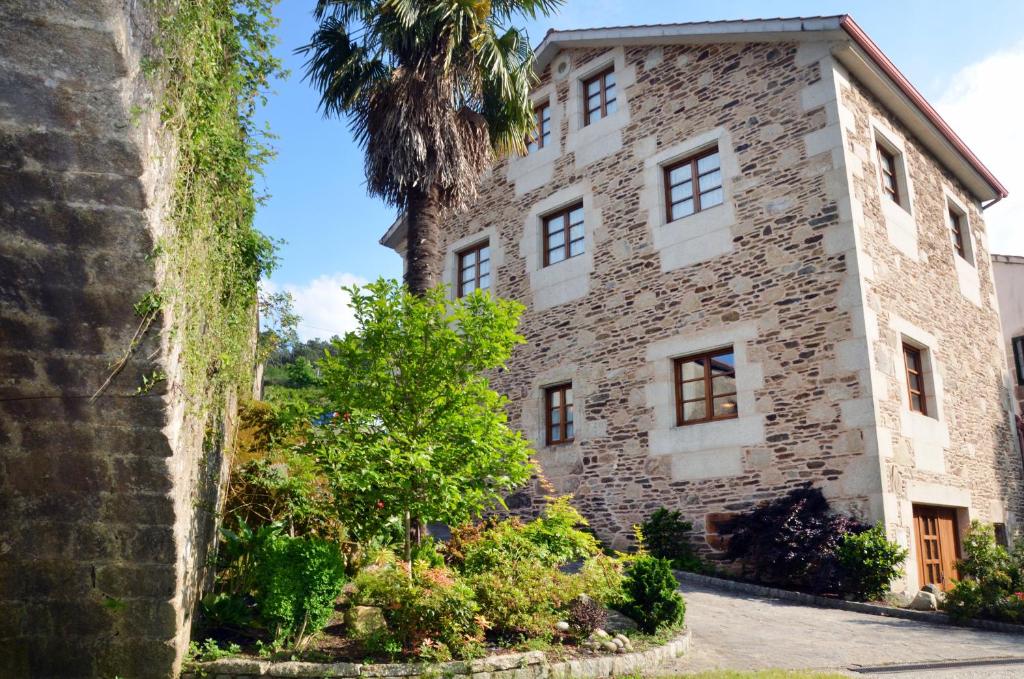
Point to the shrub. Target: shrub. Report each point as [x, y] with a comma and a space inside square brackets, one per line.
[869, 562]
[651, 596]
[524, 598]
[602, 578]
[429, 612]
[790, 541]
[586, 615]
[667, 536]
[559, 532]
[297, 581]
[553, 539]
[991, 579]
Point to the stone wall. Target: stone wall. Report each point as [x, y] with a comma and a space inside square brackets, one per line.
[768, 272]
[106, 502]
[919, 290]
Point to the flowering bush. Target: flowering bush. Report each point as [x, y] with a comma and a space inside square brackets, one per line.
[429, 611]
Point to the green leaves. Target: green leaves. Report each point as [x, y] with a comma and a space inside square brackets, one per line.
[433, 88]
[419, 432]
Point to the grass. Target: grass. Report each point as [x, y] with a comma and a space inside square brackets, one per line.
[761, 674]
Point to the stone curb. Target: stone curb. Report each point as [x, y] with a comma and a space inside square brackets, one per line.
[529, 665]
[853, 606]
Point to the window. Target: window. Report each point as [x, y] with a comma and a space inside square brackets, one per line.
[1018, 358]
[915, 379]
[475, 269]
[680, 197]
[558, 414]
[599, 95]
[563, 234]
[542, 128]
[958, 227]
[890, 185]
[706, 387]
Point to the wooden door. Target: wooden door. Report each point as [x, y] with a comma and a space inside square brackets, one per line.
[938, 545]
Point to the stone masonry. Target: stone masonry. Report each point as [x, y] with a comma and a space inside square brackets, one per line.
[105, 503]
[799, 270]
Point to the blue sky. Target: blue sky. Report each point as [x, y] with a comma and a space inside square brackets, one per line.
[968, 63]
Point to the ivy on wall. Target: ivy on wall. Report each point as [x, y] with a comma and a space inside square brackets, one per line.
[214, 61]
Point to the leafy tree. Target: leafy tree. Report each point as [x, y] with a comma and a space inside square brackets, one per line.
[420, 435]
[433, 90]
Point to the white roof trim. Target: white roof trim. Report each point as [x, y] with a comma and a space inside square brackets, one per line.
[705, 31]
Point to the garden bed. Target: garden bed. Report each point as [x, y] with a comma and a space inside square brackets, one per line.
[524, 665]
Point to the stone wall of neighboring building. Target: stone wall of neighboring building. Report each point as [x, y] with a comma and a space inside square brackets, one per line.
[106, 503]
[1008, 271]
[920, 291]
[769, 272]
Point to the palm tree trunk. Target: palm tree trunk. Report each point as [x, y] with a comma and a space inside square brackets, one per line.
[423, 240]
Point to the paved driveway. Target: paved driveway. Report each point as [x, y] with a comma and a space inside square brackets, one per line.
[742, 631]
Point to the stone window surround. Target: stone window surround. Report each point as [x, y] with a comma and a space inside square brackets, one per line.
[534, 170]
[966, 230]
[928, 434]
[703, 235]
[568, 279]
[602, 137]
[899, 218]
[966, 269]
[712, 449]
[534, 418]
[487, 235]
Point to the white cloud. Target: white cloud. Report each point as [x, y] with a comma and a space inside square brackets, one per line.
[984, 104]
[322, 304]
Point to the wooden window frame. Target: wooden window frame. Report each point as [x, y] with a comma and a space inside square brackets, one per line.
[601, 79]
[539, 134]
[709, 395]
[889, 166]
[474, 251]
[563, 410]
[562, 214]
[956, 224]
[694, 178]
[915, 377]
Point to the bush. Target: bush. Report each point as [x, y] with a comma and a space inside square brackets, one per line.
[430, 612]
[297, 581]
[992, 582]
[791, 541]
[651, 596]
[868, 563]
[524, 598]
[667, 536]
[553, 539]
[586, 615]
[601, 578]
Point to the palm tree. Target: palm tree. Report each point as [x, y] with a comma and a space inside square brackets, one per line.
[434, 91]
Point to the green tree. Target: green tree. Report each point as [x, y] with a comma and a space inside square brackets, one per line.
[419, 434]
[434, 89]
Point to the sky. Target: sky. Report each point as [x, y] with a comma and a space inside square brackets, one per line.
[966, 58]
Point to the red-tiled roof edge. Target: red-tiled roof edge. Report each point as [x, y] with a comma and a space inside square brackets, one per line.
[858, 35]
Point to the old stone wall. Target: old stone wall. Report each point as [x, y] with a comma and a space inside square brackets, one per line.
[106, 502]
[920, 291]
[768, 272]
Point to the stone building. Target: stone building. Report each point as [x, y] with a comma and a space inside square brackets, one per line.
[818, 307]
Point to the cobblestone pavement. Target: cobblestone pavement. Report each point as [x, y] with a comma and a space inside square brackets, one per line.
[745, 632]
